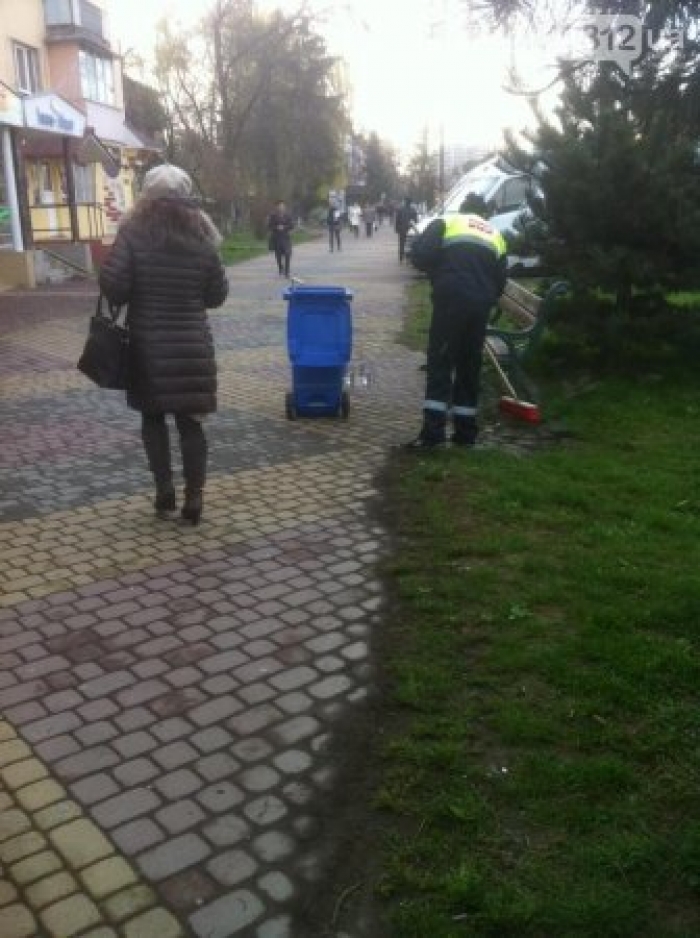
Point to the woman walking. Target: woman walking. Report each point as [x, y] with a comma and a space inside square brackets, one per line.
[165, 265]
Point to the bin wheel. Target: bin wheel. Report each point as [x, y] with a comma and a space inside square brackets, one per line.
[345, 405]
[289, 407]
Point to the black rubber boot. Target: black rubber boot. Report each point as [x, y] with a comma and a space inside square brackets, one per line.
[465, 432]
[192, 509]
[165, 501]
[433, 432]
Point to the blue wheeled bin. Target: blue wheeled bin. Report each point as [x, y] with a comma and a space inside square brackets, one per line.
[319, 342]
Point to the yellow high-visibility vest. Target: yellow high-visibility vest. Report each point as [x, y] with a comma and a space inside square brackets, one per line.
[472, 229]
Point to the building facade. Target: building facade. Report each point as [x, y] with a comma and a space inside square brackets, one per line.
[68, 160]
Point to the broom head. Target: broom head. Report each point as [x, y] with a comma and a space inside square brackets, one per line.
[521, 410]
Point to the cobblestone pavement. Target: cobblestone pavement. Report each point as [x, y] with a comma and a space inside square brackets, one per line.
[171, 698]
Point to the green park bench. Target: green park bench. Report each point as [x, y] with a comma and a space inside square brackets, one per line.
[527, 316]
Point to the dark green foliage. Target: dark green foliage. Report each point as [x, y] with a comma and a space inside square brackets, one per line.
[422, 177]
[381, 171]
[590, 333]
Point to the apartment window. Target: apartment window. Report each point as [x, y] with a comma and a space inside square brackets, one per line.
[27, 68]
[66, 13]
[58, 12]
[91, 17]
[96, 78]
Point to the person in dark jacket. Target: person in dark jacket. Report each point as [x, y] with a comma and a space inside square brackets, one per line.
[465, 259]
[279, 225]
[405, 217]
[165, 266]
[334, 222]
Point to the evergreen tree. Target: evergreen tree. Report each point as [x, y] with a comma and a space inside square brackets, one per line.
[423, 182]
[620, 181]
[381, 171]
[618, 164]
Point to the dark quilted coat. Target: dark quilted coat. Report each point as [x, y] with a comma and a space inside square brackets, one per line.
[172, 362]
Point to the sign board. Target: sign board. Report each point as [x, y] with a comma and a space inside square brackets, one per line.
[50, 113]
[10, 107]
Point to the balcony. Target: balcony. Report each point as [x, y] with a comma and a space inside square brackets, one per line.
[75, 21]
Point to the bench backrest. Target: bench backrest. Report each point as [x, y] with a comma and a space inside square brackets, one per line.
[531, 312]
[520, 303]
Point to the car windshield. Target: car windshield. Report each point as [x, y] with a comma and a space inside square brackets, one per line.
[480, 185]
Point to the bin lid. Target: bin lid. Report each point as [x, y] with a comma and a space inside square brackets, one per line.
[317, 290]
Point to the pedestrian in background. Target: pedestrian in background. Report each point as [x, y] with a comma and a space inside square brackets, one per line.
[165, 267]
[465, 259]
[369, 217]
[354, 219]
[334, 222]
[406, 216]
[279, 225]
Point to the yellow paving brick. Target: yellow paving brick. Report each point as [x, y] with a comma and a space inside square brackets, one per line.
[50, 890]
[40, 794]
[37, 592]
[8, 893]
[107, 877]
[13, 750]
[12, 823]
[128, 903]
[70, 916]
[155, 924]
[20, 847]
[35, 867]
[6, 731]
[56, 815]
[22, 773]
[13, 599]
[80, 842]
[25, 582]
[5, 801]
[100, 933]
[16, 921]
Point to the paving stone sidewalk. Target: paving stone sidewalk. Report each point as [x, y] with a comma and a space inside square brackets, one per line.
[172, 699]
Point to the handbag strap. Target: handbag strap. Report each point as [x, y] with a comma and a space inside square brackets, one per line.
[113, 308]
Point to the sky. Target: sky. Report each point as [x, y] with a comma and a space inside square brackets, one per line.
[412, 64]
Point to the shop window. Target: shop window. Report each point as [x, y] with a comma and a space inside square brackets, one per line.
[27, 68]
[5, 218]
[96, 78]
[84, 179]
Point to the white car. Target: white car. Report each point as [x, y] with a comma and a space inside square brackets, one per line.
[505, 193]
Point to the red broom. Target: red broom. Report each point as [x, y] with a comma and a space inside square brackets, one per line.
[511, 404]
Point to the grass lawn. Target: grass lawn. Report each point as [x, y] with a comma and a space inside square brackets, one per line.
[540, 745]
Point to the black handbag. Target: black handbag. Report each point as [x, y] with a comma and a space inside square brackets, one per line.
[105, 357]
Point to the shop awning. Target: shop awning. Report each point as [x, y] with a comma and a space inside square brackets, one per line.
[91, 150]
[51, 114]
[109, 125]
